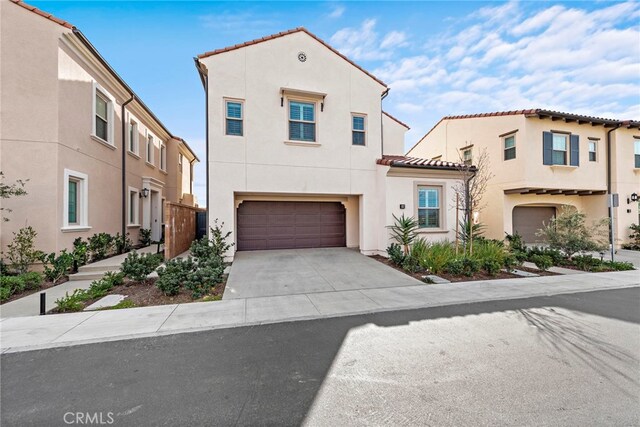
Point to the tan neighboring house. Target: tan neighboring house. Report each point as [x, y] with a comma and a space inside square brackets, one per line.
[542, 160]
[96, 157]
[301, 155]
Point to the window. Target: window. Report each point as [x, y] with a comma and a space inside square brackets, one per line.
[150, 149]
[75, 201]
[510, 147]
[559, 155]
[358, 133]
[102, 120]
[163, 157]
[234, 118]
[467, 158]
[134, 205]
[428, 207]
[180, 160]
[592, 150]
[302, 121]
[133, 137]
[636, 152]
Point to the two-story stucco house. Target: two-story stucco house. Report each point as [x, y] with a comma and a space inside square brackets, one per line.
[95, 156]
[542, 160]
[301, 155]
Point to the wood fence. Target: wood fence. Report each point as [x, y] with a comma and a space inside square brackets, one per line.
[180, 228]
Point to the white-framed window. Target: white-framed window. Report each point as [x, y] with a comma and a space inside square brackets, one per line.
[302, 121]
[134, 133]
[559, 153]
[509, 147]
[149, 149]
[133, 217]
[593, 148]
[234, 117]
[636, 153]
[180, 162]
[429, 207]
[75, 201]
[163, 157]
[467, 156]
[103, 116]
[358, 129]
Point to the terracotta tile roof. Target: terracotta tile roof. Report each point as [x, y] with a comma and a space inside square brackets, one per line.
[416, 162]
[395, 120]
[49, 16]
[286, 33]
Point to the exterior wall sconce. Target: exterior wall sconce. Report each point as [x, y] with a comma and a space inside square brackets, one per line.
[402, 206]
[144, 193]
[633, 198]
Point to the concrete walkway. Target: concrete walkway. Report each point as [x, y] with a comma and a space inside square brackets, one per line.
[28, 333]
[30, 305]
[304, 271]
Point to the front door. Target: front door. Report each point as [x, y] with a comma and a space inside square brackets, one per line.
[156, 229]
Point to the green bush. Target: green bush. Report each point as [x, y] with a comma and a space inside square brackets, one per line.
[454, 267]
[175, 272]
[403, 231]
[32, 280]
[137, 267]
[587, 263]
[122, 243]
[492, 267]
[80, 252]
[101, 287]
[200, 281]
[56, 267]
[557, 257]
[438, 255]
[411, 264]
[618, 266]
[395, 253]
[543, 262]
[115, 278]
[634, 244]
[100, 246]
[463, 266]
[5, 293]
[15, 283]
[510, 261]
[73, 302]
[21, 252]
[517, 246]
[144, 236]
[569, 232]
[489, 250]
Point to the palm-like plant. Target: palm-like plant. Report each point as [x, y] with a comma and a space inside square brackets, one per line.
[403, 231]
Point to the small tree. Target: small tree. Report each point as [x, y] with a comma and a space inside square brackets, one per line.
[10, 190]
[570, 233]
[21, 251]
[403, 231]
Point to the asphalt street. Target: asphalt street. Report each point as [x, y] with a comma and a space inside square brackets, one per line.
[569, 359]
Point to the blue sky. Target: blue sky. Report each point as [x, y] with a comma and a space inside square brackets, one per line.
[439, 58]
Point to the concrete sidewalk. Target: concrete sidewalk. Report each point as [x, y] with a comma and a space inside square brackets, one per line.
[28, 333]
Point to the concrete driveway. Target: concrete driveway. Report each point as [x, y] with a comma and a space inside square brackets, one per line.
[303, 271]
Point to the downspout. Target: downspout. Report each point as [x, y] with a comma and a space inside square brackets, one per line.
[191, 176]
[609, 196]
[124, 165]
[204, 78]
[384, 95]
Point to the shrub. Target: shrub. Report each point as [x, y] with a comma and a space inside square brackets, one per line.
[56, 267]
[411, 264]
[32, 280]
[144, 236]
[21, 251]
[80, 252]
[214, 247]
[463, 266]
[510, 261]
[138, 267]
[492, 267]
[569, 232]
[557, 257]
[454, 267]
[587, 263]
[489, 250]
[200, 281]
[73, 302]
[635, 238]
[469, 229]
[5, 293]
[517, 246]
[15, 284]
[437, 256]
[125, 303]
[122, 243]
[395, 254]
[116, 279]
[403, 231]
[174, 274]
[100, 245]
[543, 262]
[619, 266]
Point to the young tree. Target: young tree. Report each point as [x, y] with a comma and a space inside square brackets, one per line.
[10, 190]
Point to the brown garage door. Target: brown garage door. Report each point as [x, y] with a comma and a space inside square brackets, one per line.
[290, 225]
[528, 220]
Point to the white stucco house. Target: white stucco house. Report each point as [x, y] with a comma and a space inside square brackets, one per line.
[300, 153]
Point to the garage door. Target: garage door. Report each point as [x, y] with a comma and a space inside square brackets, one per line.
[290, 225]
[528, 220]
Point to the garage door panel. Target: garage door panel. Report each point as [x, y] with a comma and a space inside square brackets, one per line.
[287, 225]
[527, 220]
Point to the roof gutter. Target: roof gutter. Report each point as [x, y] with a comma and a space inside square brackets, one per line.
[447, 168]
[204, 77]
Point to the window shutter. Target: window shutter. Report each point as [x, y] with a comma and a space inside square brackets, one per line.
[575, 150]
[547, 148]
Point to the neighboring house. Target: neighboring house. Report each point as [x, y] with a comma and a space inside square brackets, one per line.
[300, 153]
[542, 160]
[96, 157]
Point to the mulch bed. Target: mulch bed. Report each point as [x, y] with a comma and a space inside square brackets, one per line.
[44, 287]
[481, 275]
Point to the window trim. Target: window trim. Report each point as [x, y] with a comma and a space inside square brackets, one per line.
[595, 150]
[504, 147]
[98, 90]
[134, 131]
[567, 143]
[147, 153]
[636, 153]
[442, 217]
[241, 119]
[82, 189]
[353, 131]
[303, 100]
[163, 156]
[469, 150]
[136, 207]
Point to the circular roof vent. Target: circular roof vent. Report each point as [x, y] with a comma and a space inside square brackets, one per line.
[302, 57]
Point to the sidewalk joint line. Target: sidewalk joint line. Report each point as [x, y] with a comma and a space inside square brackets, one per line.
[165, 320]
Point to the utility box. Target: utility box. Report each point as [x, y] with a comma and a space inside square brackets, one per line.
[613, 201]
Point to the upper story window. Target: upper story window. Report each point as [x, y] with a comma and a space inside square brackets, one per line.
[358, 132]
[636, 152]
[560, 148]
[302, 121]
[428, 207]
[510, 147]
[133, 137]
[149, 151]
[592, 150]
[180, 161]
[163, 157]
[234, 117]
[467, 157]
[102, 121]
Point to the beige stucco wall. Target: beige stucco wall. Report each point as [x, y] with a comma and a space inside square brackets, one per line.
[527, 169]
[393, 136]
[46, 125]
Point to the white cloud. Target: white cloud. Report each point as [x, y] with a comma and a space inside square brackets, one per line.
[363, 43]
[337, 12]
[394, 39]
